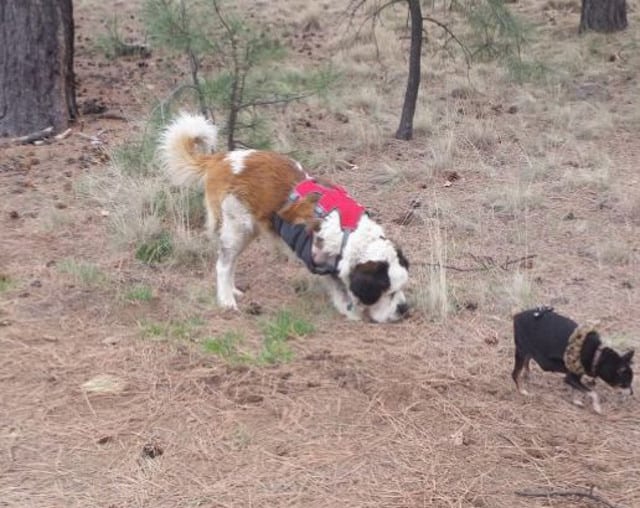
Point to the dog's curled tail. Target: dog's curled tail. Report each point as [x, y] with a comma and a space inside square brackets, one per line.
[182, 145]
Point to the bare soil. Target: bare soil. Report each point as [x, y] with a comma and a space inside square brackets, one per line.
[419, 413]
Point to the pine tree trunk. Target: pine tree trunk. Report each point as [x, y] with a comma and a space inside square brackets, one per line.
[603, 15]
[36, 65]
[405, 130]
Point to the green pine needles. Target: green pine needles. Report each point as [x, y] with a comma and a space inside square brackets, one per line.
[498, 34]
[235, 68]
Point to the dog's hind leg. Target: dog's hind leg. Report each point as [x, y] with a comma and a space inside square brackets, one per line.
[237, 229]
[521, 361]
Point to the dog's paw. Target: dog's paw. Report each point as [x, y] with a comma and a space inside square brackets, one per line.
[237, 292]
[595, 401]
[578, 402]
[524, 392]
[227, 304]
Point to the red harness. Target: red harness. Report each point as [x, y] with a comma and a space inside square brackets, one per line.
[332, 197]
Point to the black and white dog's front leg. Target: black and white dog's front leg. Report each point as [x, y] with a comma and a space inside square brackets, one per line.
[340, 297]
[575, 381]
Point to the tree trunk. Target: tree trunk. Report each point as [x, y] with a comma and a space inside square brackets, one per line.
[36, 65]
[603, 15]
[405, 129]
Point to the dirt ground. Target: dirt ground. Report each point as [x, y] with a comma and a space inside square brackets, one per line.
[419, 413]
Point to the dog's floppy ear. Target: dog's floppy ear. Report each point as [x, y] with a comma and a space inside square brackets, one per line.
[302, 211]
[404, 262]
[369, 280]
[628, 356]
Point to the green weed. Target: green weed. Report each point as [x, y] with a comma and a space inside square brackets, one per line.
[156, 249]
[83, 272]
[139, 293]
[5, 283]
[186, 330]
[277, 332]
[226, 347]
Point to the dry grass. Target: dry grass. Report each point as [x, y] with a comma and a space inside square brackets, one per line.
[422, 413]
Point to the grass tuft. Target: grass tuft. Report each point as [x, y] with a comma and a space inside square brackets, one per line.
[226, 347]
[139, 293]
[83, 272]
[434, 295]
[156, 249]
[277, 332]
[186, 330]
[6, 283]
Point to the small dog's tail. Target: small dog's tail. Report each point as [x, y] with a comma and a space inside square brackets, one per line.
[182, 145]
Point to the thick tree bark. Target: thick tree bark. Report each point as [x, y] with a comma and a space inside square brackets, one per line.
[405, 129]
[36, 65]
[603, 15]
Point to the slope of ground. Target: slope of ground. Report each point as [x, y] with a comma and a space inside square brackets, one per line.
[109, 399]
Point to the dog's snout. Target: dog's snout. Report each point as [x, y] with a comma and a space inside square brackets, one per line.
[402, 308]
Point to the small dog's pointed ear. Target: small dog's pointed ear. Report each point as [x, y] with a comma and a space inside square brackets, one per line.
[628, 356]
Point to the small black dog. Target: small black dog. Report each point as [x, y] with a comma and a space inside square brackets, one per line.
[558, 344]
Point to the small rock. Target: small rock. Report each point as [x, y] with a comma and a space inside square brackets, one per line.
[472, 306]
[14, 214]
[251, 398]
[111, 341]
[512, 110]
[460, 93]
[569, 216]
[93, 107]
[104, 439]
[254, 309]
[341, 117]
[451, 176]
[104, 383]
[152, 450]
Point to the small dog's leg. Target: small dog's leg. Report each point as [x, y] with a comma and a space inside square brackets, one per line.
[577, 399]
[520, 362]
[575, 381]
[595, 400]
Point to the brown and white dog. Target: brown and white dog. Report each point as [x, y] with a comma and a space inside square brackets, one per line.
[248, 192]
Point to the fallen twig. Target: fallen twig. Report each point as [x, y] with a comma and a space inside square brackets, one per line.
[486, 264]
[110, 116]
[35, 136]
[566, 493]
[95, 139]
[62, 135]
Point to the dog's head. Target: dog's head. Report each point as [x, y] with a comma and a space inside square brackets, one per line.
[615, 369]
[376, 284]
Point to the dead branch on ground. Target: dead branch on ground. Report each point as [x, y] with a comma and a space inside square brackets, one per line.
[486, 263]
[35, 136]
[566, 493]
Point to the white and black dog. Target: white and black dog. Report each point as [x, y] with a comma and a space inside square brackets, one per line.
[248, 192]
